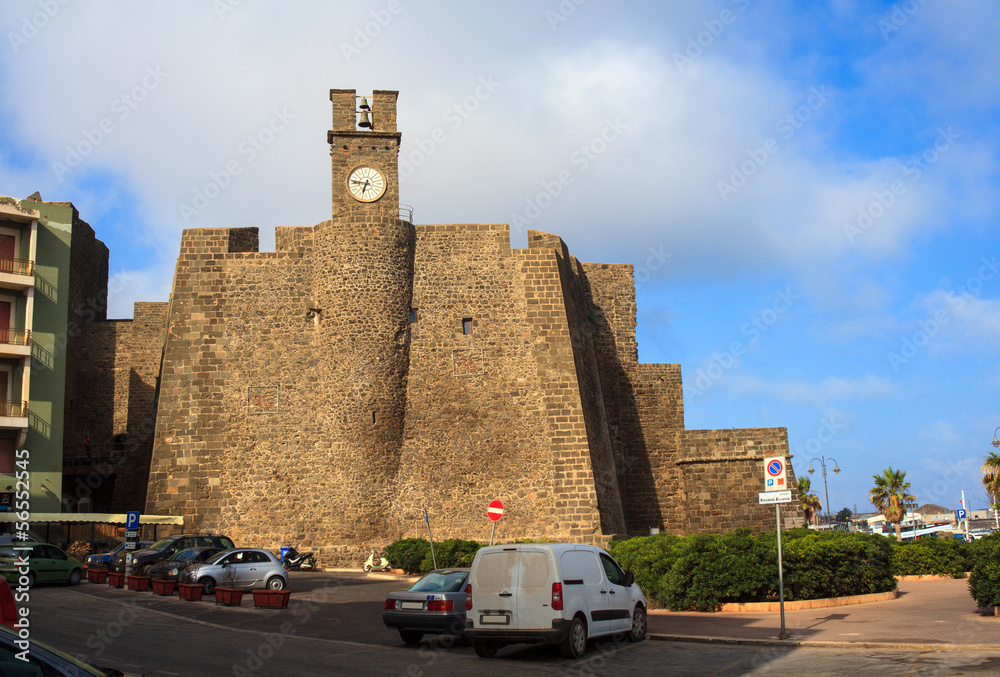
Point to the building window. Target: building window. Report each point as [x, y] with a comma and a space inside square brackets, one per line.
[414, 316]
[467, 325]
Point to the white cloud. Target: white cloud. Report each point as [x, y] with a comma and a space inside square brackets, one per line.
[820, 394]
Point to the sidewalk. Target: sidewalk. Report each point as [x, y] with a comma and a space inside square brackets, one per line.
[927, 614]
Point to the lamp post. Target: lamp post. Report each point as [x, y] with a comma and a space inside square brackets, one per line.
[826, 492]
[996, 517]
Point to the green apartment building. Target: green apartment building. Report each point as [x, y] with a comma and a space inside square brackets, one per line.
[53, 282]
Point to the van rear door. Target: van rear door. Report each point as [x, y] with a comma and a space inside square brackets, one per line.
[494, 586]
[534, 590]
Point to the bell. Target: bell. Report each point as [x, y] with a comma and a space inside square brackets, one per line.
[365, 121]
[364, 104]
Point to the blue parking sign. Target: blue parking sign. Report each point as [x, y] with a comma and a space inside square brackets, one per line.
[132, 520]
[961, 514]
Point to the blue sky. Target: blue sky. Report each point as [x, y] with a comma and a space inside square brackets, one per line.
[807, 190]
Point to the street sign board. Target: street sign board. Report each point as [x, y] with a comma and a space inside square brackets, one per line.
[131, 533]
[775, 473]
[769, 497]
[495, 511]
[961, 514]
[132, 519]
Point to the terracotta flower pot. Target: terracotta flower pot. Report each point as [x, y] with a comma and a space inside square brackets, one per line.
[97, 575]
[229, 596]
[116, 579]
[164, 587]
[139, 583]
[271, 599]
[192, 592]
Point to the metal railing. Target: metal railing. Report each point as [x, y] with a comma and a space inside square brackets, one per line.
[405, 213]
[15, 337]
[15, 409]
[17, 266]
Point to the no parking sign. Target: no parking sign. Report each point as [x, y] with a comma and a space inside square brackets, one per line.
[775, 473]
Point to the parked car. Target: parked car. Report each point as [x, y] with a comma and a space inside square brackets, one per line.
[559, 593]
[109, 557]
[165, 547]
[171, 567]
[43, 659]
[433, 605]
[241, 568]
[46, 564]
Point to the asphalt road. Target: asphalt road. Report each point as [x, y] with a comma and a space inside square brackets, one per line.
[333, 627]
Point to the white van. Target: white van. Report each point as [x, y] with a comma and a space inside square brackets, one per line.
[560, 593]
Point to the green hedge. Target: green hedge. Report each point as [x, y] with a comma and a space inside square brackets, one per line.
[704, 571]
[984, 579]
[941, 556]
[413, 555]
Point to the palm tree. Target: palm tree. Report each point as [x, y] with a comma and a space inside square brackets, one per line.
[890, 495]
[991, 480]
[810, 502]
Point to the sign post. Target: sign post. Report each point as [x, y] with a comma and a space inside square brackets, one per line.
[776, 491]
[430, 538]
[494, 512]
[131, 529]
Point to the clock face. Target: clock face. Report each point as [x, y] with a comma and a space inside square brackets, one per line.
[366, 184]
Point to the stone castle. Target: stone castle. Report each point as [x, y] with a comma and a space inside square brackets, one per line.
[325, 393]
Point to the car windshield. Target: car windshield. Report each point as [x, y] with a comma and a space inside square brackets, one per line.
[216, 557]
[7, 551]
[184, 556]
[161, 544]
[441, 581]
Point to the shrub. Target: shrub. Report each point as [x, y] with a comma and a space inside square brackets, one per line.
[836, 564]
[78, 550]
[928, 556]
[984, 579]
[408, 554]
[649, 558]
[454, 552]
[714, 569]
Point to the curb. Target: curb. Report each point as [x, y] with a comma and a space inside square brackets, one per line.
[792, 642]
[805, 604]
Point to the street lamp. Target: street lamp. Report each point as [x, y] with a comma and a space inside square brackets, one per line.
[826, 492]
[996, 442]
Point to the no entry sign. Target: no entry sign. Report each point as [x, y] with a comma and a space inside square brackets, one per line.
[495, 511]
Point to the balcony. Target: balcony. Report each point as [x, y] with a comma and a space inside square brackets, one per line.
[17, 273]
[15, 342]
[14, 415]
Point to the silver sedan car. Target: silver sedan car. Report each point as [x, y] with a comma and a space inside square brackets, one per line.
[240, 568]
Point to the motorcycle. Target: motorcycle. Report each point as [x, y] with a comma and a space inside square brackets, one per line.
[379, 562]
[293, 560]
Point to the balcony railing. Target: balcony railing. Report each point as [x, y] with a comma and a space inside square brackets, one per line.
[17, 266]
[15, 337]
[13, 409]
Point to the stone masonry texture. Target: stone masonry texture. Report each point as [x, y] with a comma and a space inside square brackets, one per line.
[324, 394]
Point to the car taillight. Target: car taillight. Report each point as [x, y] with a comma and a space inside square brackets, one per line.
[441, 605]
[468, 597]
[390, 604]
[557, 596]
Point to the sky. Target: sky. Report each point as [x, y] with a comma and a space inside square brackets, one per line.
[807, 190]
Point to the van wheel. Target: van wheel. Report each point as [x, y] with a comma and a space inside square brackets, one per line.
[637, 633]
[486, 649]
[575, 643]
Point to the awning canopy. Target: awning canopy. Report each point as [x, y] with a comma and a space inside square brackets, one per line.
[88, 517]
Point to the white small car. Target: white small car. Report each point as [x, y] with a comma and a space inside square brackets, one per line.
[559, 593]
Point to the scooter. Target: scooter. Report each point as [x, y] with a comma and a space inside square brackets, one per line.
[380, 562]
[293, 560]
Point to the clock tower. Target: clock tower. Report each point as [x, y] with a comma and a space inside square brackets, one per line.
[364, 148]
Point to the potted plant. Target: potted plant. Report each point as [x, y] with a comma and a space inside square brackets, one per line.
[97, 572]
[162, 585]
[227, 593]
[186, 587]
[116, 576]
[139, 579]
[265, 598]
